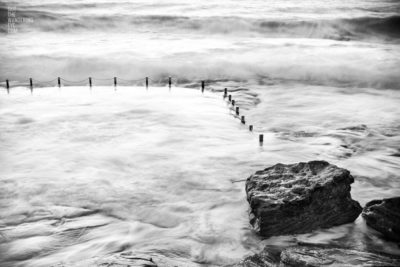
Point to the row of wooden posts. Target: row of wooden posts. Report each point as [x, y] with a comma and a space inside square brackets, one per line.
[90, 83]
[232, 101]
[242, 118]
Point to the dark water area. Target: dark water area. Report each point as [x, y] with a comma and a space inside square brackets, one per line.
[87, 176]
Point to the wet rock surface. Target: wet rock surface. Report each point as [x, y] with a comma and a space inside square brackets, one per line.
[136, 259]
[318, 256]
[266, 258]
[384, 216]
[299, 198]
[315, 256]
[128, 260]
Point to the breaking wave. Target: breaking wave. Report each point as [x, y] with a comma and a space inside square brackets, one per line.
[244, 71]
[337, 29]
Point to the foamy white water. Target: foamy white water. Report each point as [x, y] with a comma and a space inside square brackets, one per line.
[86, 176]
[336, 43]
[89, 174]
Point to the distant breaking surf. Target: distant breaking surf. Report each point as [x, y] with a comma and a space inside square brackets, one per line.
[357, 28]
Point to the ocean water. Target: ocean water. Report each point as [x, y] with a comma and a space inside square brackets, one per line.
[340, 43]
[92, 177]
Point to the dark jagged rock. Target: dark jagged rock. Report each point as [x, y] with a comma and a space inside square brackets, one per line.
[137, 259]
[126, 259]
[315, 256]
[310, 256]
[265, 258]
[299, 198]
[384, 216]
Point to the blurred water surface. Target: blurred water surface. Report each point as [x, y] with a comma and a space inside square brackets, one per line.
[87, 175]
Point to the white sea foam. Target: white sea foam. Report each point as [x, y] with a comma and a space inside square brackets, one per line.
[339, 43]
[86, 174]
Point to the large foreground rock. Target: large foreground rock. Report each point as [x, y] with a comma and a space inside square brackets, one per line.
[311, 256]
[384, 216]
[298, 198]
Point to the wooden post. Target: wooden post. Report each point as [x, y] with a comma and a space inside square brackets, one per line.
[250, 128]
[261, 138]
[59, 81]
[233, 102]
[8, 87]
[243, 120]
[115, 81]
[31, 84]
[147, 82]
[90, 82]
[225, 92]
[202, 86]
[169, 82]
[229, 98]
[237, 111]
